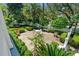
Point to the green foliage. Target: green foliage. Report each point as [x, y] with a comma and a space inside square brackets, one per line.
[59, 23]
[21, 30]
[26, 11]
[15, 16]
[29, 28]
[14, 8]
[75, 41]
[22, 48]
[43, 49]
[76, 18]
[54, 43]
[53, 50]
[49, 30]
[63, 36]
[44, 22]
[27, 53]
[39, 48]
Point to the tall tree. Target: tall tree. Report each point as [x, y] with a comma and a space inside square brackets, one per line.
[15, 9]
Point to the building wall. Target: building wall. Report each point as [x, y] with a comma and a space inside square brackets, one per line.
[5, 42]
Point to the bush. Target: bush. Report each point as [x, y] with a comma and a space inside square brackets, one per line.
[59, 32]
[60, 22]
[63, 36]
[75, 41]
[21, 30]
[54, 43]
[27, 53]
[29, 28]
[50, 31]
[22, 48]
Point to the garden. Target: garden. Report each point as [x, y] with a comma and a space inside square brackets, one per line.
[43, 29]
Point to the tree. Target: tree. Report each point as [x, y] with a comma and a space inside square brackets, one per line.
[15, 10]
[60, 22]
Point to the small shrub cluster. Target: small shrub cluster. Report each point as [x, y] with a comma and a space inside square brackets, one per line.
[63, 36]
[50, 31]
[29, 28]
[21, 30]
[54, 43]
[20, 45]
[52, 50]
[75, 41]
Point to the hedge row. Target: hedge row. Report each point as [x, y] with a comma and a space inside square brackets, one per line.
[20, 45]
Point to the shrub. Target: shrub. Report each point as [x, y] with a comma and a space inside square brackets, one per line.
[21, 30]
[54, 43]
[51, 31]
[27, 53]
[22, 48]
[63, 36]
[60, 22]
[75, 41]
[29, 28]
[39, 45]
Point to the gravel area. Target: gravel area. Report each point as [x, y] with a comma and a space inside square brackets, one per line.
[48, 38]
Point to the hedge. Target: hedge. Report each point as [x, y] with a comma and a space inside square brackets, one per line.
[21, 47]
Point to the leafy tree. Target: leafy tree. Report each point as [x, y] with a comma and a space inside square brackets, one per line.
[15, 10]
[26, 10]
[60, 23]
